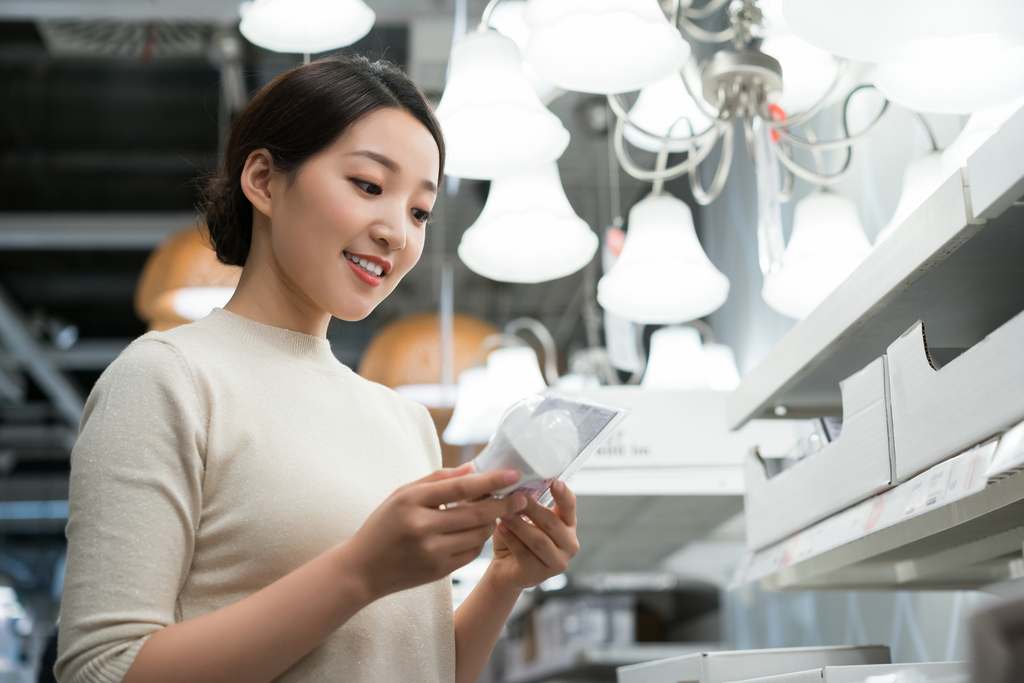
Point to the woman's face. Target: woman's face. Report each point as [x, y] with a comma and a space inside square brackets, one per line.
[350, 223]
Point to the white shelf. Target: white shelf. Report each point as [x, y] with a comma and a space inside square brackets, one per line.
[587, 661]
[968, 543]
[962, 275]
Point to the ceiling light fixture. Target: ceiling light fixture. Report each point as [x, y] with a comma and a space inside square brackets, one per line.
[306, 26]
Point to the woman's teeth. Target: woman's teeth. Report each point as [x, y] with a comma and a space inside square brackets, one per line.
[371, 268]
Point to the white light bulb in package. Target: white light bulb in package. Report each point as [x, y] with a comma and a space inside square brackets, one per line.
[547, 438]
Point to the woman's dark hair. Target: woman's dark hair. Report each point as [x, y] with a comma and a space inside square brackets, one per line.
[297, 115]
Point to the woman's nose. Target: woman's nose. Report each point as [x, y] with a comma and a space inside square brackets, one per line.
[390, 231]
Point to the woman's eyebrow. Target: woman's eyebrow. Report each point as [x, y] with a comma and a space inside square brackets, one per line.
[391, 165]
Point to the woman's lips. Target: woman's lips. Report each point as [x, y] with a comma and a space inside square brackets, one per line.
[368, 278]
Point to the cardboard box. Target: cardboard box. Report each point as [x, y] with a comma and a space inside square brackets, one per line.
[738, 665]
[918, 673]
[855, 466]
[939, 413]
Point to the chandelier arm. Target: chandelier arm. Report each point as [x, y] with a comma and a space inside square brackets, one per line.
[485, 18]
[621, 113]
[810, 177]
[819, 158]
[703, 12]
[797, 119]
[836, 144]
[696, 100]
[927, 129]
[786, 193]
[554, 95]
[721, 174]
[705, 36]
[631, 167]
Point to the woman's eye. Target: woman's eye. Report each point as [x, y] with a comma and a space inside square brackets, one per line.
[368, 187]
[422, 216]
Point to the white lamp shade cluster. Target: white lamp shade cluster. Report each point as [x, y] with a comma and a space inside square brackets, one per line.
[920, 179]
[678, 361]
[664, 108]
[195, 303]
[494, 123]
[486, 392]
[527, 231]
[602, 46]
[509, 19]
[662, 275]
[941, 56]
[826, 245]
[306, 25]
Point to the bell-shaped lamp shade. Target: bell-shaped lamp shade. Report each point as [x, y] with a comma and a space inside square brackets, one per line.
[827, 244]
[527, 231]
[662, 275]
[509, 19]
[720, 365]
[494, 123]
[306, 25]
[485, 393]
[979, 128]
[807, 71]
[602, 46]
[920, 179]
[954, 83]
[676, 360]
[663, 108]
[879, 31]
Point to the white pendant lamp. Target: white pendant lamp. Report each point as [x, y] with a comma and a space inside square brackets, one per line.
[911, 30]
[527, 231]
[954, 83]
[827, 244]
[306, 26]
[661, 109]
[920, 179]
[485, 393]
[676, 361]
[494, 124]
[979, 128]
[602, 46]
[509, 19]
[662, 275]
[807, 71]
[721, 370]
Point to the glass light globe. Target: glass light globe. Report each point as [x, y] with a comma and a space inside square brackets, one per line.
[720, 365]
[659, 109]
[979, 128]
[956, 84]
[602, 46]
[195, 303]
[494, 124]
[509, 19]
[910, 30]
[527, 231]
[662, 275]
[827, 244]
[920, 179]
[485, 393]
[676, 361]
[306, 25]
[807, 71]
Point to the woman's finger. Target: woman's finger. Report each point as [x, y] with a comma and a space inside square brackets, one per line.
[565, 503]
[524, 556]
[440, 475]
[538, 542]
[550, 523]
[465, 487]
[462, 541]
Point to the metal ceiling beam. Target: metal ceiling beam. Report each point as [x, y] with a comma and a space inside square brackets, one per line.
[89, 231]
[66, 397]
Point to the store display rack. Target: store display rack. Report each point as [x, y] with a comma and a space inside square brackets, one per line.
[584, 662]
[957, 263]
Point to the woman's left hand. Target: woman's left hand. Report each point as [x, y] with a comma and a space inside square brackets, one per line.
[526, 554]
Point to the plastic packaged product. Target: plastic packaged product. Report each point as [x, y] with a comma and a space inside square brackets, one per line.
[546, 438]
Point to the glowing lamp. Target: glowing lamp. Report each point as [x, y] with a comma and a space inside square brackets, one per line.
[920, 179]
[664, 108]
[306, 26]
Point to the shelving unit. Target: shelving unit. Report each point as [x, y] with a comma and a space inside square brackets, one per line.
[957, 263]
[587, 661]
[943, 266]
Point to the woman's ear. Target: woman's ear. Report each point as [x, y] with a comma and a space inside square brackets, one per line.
[256, 175]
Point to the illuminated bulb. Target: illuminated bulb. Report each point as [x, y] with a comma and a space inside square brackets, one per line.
[661, 108]
[306, 25]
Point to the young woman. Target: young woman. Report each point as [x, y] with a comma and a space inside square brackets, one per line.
[244, 507]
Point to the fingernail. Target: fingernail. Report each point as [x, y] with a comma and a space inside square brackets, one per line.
[520, 502]
[465, 467]
[559, 486]
[503, 530]
[511, 476]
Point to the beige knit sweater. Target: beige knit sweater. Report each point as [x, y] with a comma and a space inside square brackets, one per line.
[214, 459]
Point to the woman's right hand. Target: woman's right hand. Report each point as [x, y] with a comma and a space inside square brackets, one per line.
[417, 535]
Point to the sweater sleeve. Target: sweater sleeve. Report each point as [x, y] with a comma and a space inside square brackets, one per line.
[135, 500]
